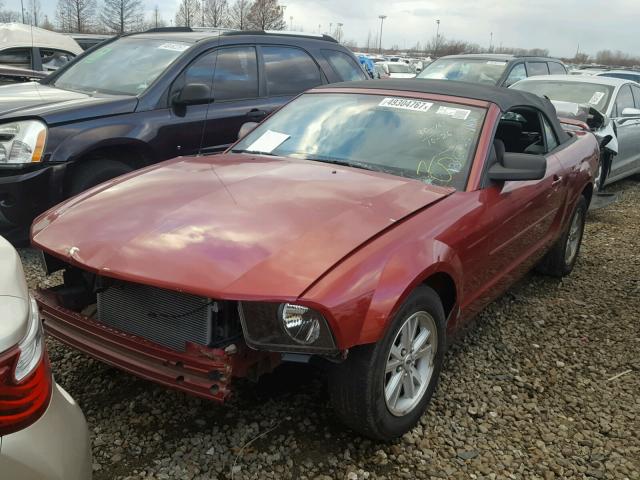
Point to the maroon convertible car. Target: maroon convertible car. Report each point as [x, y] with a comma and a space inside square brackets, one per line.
[362, 225]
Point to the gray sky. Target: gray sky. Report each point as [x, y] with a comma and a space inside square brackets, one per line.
[558, 25]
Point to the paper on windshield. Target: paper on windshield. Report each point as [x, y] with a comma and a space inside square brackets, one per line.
[458, 113]
[595, 99]
[493, 62]
[174, 47]
[268, 142]
[406, 104]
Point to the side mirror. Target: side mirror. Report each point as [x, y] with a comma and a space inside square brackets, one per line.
[518, 167]
[192, 94]
[246, 128]
[631, 112]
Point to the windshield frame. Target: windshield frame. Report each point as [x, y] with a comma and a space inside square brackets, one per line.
[180, 62]
[480, 148]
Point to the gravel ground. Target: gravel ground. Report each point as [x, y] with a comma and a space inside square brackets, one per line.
[546, 385]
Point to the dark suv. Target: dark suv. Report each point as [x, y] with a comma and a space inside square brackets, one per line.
[143, 98]
[492, 68]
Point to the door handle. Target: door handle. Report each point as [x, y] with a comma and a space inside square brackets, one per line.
[556, 180]
[256, 113]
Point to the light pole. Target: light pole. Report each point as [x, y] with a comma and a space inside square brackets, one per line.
[435, 54]
[339, 32]
[381, 17]
[491, 43]
[291, 22]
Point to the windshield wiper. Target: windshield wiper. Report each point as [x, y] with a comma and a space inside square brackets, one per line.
[253, 152]
[344, 163]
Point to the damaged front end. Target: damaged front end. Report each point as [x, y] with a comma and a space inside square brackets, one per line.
[178, 340]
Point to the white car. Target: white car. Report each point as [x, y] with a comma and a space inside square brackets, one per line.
[33, 48]
[397, 69]
[616, 99]
[625, 74]
[43, 433]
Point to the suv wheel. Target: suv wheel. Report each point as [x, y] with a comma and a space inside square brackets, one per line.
[93, 172]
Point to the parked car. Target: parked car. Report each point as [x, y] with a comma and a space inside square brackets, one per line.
[89, 40]
[361, 226]
[624, 74]
[143, 98]
[491, 68]
[19, 75]
[33, 48]
[617, 100]
[43, 433]
[397, 69]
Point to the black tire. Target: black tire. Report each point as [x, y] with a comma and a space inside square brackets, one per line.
[356, 386]
[555, 262]
[93, 172]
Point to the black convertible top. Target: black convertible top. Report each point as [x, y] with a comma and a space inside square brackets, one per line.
[504, 98]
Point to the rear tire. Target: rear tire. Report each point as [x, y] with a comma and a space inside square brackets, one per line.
[371, 391]
[93, 172]
[560, 260]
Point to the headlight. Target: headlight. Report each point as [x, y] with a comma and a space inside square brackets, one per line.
[285, 327]
[22, 142]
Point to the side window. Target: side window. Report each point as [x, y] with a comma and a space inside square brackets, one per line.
[549, 135]
[54, 59]
[344, 66]
[516, 74]
[236, 74]
[624, 100]
[289, 71]
[556, 68]
[636, 95]
[199, 71]
[16, 57]
[537, 68]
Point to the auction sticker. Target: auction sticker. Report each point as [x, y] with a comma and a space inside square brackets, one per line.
[493, 62]
[406, 104]
[597, 96]
[458, 113]
[174, 47]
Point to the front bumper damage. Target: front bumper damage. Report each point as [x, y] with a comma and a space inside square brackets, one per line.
[201, 371]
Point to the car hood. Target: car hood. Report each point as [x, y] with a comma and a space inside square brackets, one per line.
[229, 226]
[55, 105]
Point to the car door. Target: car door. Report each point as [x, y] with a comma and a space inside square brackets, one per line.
[17, 57]
[525, 215]
[628, 133]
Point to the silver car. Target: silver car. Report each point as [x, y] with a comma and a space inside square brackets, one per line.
[618, 100]
[43, 433]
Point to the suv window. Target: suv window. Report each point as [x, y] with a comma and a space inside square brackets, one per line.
[623, 100]
[537, 68]
[636, 95]
[344, 66]
[289, 70]
[199, 71]
[16, 57]
[556, 68]
[516, 74]
[236, 74]
[53, 59]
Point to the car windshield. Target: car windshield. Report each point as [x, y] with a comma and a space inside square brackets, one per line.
[433, 142]
[126, 66]
[399, 68]
[466, 70]
[574, 91]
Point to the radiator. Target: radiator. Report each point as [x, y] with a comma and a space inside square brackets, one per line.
[162, 316]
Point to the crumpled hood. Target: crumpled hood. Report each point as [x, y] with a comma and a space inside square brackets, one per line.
[228, 226]
[55, 105]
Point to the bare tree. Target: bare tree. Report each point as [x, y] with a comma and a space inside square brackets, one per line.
[238, 14]
[215, 12]
[46, 23]
[187, 13]
[122, 16]
[156, 19]
[76, 15]
[34, 12]
[266, 15]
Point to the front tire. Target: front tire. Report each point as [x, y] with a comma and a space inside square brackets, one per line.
[560, 260]
[382, 389]
[93, 172]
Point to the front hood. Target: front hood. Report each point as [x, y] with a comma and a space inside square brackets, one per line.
[55, 105]
[229, 226]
